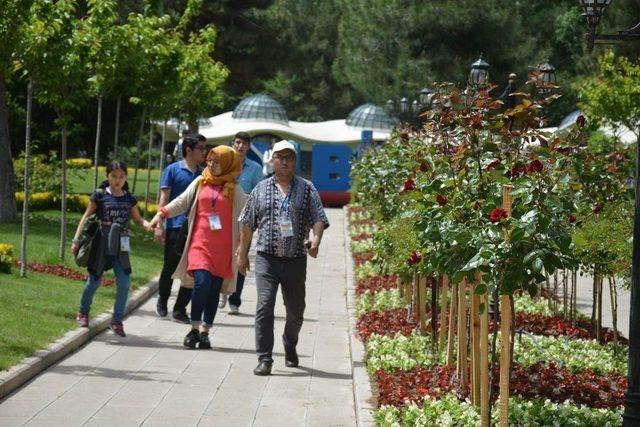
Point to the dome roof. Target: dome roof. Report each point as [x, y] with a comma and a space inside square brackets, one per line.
[370, 116]
[260, 107]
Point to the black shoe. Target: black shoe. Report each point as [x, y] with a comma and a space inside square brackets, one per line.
[161, 309]
[204, 341]
[192, 338]
[181, 317]
[263, 368]
[290, 357]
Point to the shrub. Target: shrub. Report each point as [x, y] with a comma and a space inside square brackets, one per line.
[79, 163]
[6, 257]
[45, 173]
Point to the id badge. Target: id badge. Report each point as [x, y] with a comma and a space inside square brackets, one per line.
[214, 222]
[125, 245]
[286, 227]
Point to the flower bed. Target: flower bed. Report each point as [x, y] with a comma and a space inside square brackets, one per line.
[387, 322]
[63, 271]
[375, 284]
[379, 301]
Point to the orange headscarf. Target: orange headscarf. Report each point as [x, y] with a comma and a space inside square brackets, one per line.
[230, 168]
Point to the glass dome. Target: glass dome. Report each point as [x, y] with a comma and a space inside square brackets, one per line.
[260, 107]
[370, 116]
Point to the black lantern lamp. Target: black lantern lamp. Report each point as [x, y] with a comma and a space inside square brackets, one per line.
[404, 105]
[389, 106]
[426, 97]
[592, 10]
[416, 107]
[547, 80]
[479, 75]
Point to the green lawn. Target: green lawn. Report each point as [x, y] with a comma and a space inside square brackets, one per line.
[40, 308]
[81, 180]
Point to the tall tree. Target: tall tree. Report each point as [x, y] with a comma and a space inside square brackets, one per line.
[56, 64]
[11, 20]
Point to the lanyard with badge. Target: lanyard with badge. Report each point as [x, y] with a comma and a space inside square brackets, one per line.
[286, 227]
[214, 219]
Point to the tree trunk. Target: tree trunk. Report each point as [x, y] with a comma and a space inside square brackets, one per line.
[27, 164]
[8, 211]
[97, 147]
[146, 188]
[117, 130]
[138, 148]
[193, 126]
[162, 156]
[63, 196]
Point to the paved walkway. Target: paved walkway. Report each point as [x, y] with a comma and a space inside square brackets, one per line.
[149, 379]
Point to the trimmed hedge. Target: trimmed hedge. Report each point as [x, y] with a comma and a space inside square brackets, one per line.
[79, 163]
[6, 257]
[75, 202]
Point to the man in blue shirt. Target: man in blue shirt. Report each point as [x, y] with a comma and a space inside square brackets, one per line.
[250, 176]
[175, 179]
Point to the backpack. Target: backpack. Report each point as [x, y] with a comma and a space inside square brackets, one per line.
[90, 231]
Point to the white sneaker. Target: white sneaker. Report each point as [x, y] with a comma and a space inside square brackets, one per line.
[233, 309]
[223, 301]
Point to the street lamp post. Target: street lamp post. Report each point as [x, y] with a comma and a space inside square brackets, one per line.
[592, 11]
[409, 112]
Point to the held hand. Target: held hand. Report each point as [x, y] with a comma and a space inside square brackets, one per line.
[243, 264]
[145, 224]
[159, 234]
[155, 222]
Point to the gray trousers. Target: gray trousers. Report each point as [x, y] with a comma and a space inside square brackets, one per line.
[291, 273]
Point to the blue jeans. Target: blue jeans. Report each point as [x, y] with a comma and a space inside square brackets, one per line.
[205, 297]
[122, 291]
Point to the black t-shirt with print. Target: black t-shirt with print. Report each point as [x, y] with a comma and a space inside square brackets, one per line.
[114, 208]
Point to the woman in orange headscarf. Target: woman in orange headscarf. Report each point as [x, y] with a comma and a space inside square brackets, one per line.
[214, 202]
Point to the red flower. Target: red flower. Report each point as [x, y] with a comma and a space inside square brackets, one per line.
[534, 166]
[597, 209]
[414, 258]
[497, 214]
[441, 200]
[571, 219]
[581, 121]
[409, 185]
[424, 166]
[517, 170]
[493, 164]
[404, 136]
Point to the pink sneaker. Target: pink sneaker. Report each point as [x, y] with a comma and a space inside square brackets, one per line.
[117, 328]
[82, 319]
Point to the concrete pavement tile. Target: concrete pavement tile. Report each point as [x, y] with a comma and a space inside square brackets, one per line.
[12, 421]
[19, 407]
[171, 420]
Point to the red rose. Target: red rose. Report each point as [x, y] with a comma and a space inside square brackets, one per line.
[441, 200]
[404, 136]
[571, 219]
[414, 258]
[581, 121]
[493, 164]
[424, 166]
[517, 170]
[409, 185]
[497, 214]
[534, 166]
[597, 209]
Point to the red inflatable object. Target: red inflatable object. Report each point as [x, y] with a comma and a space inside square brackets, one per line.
[334, 198]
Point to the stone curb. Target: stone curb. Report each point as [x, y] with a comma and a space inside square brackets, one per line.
[362, 392]
[18, 375]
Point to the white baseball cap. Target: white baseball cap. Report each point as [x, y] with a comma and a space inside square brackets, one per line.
[283, 145]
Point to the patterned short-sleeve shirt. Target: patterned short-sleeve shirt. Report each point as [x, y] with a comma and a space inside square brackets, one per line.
[266, 207]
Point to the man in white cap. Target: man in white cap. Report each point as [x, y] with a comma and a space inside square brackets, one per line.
[284, 208]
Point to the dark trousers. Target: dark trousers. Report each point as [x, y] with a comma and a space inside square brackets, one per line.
[171, 260]
[234, 298]
[291, 273]
[206, 294]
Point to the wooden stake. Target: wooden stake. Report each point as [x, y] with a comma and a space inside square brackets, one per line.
[485, 402]
[475, 348]
[505, 331]
[452, 324]
[422, 301]
[462, 335]
[444, 308]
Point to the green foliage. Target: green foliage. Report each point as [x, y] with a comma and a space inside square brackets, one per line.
[6, 258]
[450, 411]
[399, 352]
[611, 98]
[45, 173]
[380, 301]
[603, 242]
